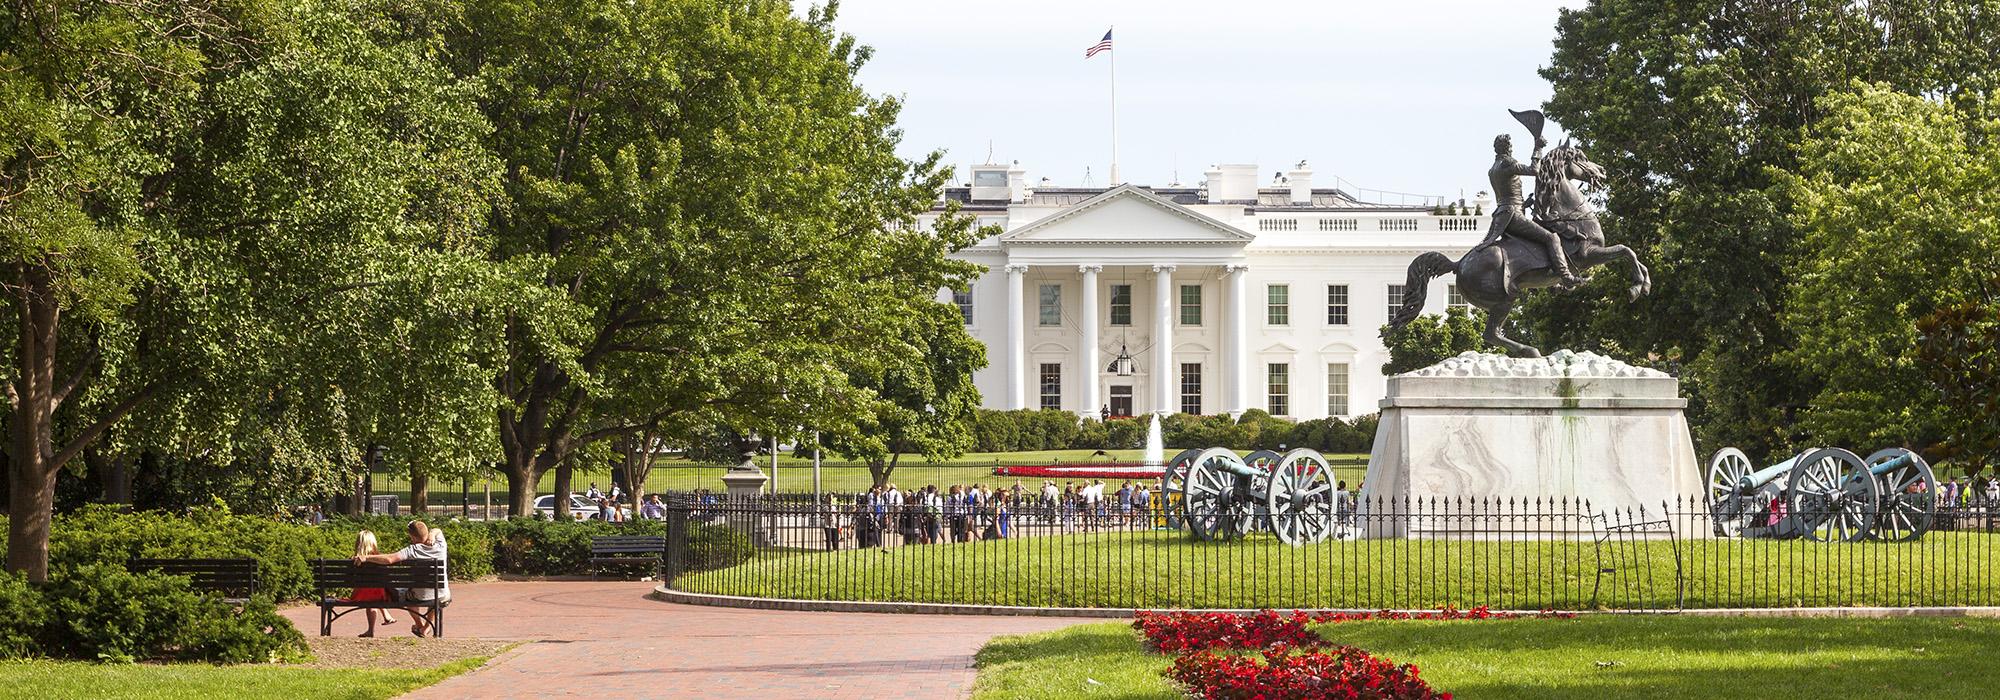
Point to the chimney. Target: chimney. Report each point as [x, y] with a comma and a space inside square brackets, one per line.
[1301, 179]
[1211, 184]
[989, 183]
[1235, 183]
[1017, 183]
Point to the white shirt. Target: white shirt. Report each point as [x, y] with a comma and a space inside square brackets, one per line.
[435, 549]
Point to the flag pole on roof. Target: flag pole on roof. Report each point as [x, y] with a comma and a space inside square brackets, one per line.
[1105, 45]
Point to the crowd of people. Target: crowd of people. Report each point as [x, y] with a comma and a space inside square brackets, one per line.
[971, 512]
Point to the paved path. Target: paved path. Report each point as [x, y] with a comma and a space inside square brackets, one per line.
[605, 639]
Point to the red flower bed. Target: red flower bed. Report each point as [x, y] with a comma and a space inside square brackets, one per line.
[1098, 470]
[1337, 672]
[1176, 632]
[1295, 662]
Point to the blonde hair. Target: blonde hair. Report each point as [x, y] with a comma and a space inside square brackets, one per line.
[364, 543]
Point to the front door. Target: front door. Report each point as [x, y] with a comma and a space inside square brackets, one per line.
[1121, 401]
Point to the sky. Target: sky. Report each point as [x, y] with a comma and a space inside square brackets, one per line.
[1392, 97]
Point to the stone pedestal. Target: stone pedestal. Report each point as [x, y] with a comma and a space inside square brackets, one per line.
[1479, 428]
[744, 483]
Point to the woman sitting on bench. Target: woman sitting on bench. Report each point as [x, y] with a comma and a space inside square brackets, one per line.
[364, 545]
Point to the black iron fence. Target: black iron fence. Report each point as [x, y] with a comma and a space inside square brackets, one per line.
[1519, 554]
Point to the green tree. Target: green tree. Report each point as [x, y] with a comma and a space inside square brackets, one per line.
[926, 405]
[196, 194]
[1892, 196]
[1430, 339]
[720, 208]
[1692, 107]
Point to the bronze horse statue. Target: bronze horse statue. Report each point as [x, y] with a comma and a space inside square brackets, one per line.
[1498, 271]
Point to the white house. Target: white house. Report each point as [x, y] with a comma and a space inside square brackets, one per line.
[1227, 296]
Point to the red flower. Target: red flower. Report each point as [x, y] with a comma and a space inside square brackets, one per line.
[1296, 663]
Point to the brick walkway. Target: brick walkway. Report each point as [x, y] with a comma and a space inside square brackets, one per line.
[605, 639]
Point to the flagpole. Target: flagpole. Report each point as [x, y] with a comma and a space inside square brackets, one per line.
[1114, 113]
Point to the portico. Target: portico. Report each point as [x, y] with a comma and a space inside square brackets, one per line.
[1215, 318]
[1126, 270]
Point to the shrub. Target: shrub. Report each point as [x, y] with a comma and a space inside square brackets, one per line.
[101, 535]
[716, 547]
[545, 547]
[101, 611]
[23, 617]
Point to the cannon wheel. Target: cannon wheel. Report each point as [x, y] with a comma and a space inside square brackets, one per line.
[1728, 508]
[1832, 496]
[1210, 507]
[1173, 486]
[1300, 498]
[1909, 497]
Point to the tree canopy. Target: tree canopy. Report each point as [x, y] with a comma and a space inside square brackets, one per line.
[1894, 197]
[1695, 109]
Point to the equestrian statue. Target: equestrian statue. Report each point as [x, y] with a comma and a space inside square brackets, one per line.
[1530, 245]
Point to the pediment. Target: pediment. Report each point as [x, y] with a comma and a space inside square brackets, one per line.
[1127, 215]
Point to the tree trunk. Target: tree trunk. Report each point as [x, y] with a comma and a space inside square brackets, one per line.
[520, 496]
[562, 490]
[113, 474]
[420, 491]
[31, 463]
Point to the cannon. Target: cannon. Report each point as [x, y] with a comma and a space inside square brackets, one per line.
[1908, 491]
[1225, 497]
[1822, 494]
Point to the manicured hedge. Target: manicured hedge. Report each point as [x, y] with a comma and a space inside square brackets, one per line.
[93, 608]
[1027, 431]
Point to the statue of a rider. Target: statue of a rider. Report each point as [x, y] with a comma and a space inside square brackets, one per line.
[1510, 213]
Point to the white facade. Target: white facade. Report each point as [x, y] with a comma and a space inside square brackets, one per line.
[1225, 296]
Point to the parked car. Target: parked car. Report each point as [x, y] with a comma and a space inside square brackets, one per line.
[580, 508]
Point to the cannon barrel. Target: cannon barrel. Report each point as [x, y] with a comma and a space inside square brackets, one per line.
[1901, 461]
[1752, 482]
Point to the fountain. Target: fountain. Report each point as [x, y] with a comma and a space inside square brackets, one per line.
[1156, 445]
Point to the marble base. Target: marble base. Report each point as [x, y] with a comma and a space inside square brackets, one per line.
[1482, 427]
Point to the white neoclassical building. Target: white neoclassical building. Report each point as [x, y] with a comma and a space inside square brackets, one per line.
[1227, 296]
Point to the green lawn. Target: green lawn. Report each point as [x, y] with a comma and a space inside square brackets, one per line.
[1590, 658]
[795, 474]
[73, 679]
[1163, 569]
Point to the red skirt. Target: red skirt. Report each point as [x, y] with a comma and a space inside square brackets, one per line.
[368, 594]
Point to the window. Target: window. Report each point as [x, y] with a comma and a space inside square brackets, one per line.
[1051, 385]
[1121, 304]
[1278, 379]
[1395, 299]
[1051, 295]
[1336, 305]
[1279, 312]
[1454, 300]
[1336, 389]
[1191, 388]
[989, 178]
[963, 298]
[1190, 304]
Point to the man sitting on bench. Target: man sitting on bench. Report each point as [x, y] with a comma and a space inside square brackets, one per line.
[425, 543]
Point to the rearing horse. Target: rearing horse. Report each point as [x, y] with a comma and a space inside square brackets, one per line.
[1497, 272]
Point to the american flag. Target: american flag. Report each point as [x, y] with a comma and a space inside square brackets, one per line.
[1102, 45]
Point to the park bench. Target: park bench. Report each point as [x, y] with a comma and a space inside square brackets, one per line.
[331, 575]
[620, 550]
[235, 579]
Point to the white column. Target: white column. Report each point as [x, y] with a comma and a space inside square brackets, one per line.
[1163, 338]
[1087, 355]
[1017, 338]
[1236, 335]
